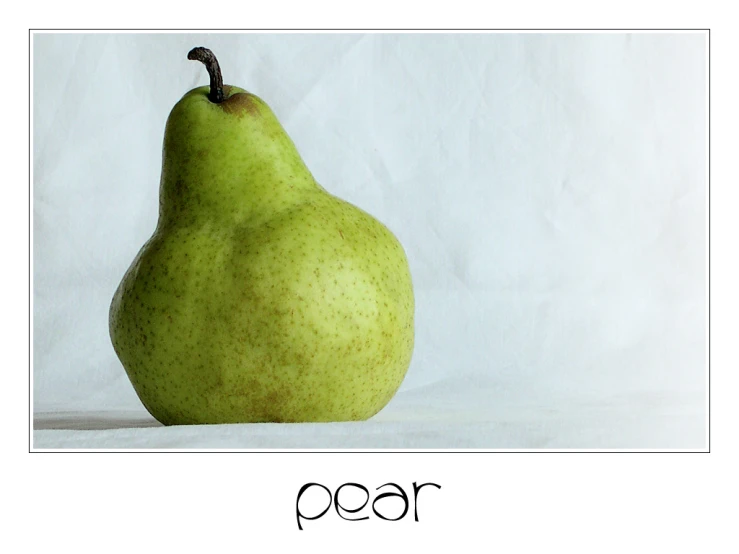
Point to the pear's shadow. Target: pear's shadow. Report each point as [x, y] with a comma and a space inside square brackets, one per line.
[91, 421]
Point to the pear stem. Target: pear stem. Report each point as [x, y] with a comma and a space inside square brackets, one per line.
[204, 55]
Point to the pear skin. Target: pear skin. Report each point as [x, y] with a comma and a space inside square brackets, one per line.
[260, 297]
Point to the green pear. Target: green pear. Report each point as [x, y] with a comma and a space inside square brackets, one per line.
[260, 297]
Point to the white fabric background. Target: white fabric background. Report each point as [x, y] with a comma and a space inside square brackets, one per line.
[549, 190]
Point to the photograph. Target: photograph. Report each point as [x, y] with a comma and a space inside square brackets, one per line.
[369, 241]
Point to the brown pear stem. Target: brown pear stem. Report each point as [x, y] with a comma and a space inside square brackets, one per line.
[214, 70]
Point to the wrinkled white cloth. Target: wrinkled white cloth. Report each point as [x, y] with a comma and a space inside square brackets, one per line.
[549, 189]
